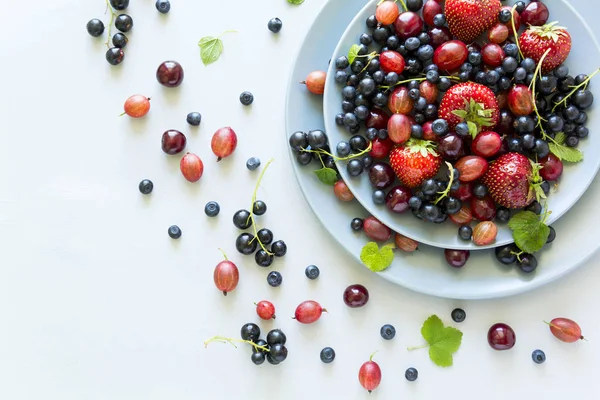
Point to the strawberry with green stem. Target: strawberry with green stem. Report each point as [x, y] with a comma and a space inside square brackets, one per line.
[548, 44]
[415, 161]
[467, 19]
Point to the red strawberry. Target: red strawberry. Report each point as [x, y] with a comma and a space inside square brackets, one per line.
[536, 40]
[512, 180]
[415, 161]
[467, 19]
[470, 102]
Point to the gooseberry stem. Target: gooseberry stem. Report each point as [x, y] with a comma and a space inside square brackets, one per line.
[262, 246]
[223, 339]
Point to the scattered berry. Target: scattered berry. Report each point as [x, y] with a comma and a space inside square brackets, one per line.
[265, 310]
[501, 337]
[212, 209]
[124, 22]
[275, 25]
[274, 279]
[95, 27]
[458, 315]
[387, 331]
[246, 98]
[312, 272]
[226, 276]
[174, 232]
[327, 355]
[224, 142]
[191, 167]
[356, 296]
[194, 118]
[163, 7]
[170, 74]
[146, 186]
[369, 375]
[315, 82]
[538, 356]
[411, 374]
[308, 311]
[565, 330]
[173, 142]
[253, 163]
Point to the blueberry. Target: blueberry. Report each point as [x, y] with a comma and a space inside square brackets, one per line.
[475, 58]
[379, 77]
[356, 224]
[393, 42]
[502, 214]
[444, 84]
[545, 186]
[528, 141]
[504, 15]
[119, 40]
[95, 27]
[387, 332]
[528, 64]
[538, 356]
[535, 207]
[412, 43]
[520, 74]
[194, 118]
[327, 355]
[541, 148]
[433, 76]
[212, 209]
[263, 259]
[354, 167]
[350, 120]
[246, 98]
[275, 25]
[274, 278]
[317, 139]
[174, 232]
[365, 39]
[312, 272]
[361, 112]
[380, 34]
[253, 163]
[462, 129]
[163, 6]
[259, 207]
[581, 131]
[425, 52]
[245, 243]
[339, 119]
[440, 126]
[279, 248]
[367, 86]
[411, 374]
[439, 20]
[379, 197]
[510, 65]
[265, 236]
[551, 235]
[416, 131]
[343, 148]
[146, 186]
[124, 23]
[342, 62]
[465, 232]
[458, 315]
[561, 71]
[391, 79]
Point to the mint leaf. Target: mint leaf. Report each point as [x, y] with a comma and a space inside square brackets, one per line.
[327, 175]
[443, 341]
[565, 153]
[377, 259]
[353, 52]
[529, 231]
[296, 2]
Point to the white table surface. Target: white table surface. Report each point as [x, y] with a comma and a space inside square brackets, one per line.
[97, 302]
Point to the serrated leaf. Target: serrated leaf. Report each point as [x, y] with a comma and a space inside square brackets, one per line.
[327, 175]
[443, 340]
[560, 138]
[353, 52]
[565, 153]
[210, 49]
[473, 130]
[296, 2]
[377, 259]
[529, 232]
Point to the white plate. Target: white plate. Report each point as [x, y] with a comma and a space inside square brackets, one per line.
[424, 271]
[584, 57]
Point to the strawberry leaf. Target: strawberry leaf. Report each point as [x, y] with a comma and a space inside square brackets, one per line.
[473, 130]
[377, 259]
[529, 231]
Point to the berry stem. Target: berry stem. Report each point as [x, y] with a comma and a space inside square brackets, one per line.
[371, 356]
[450, 181]
[532, 88]
[226, 32]
[417, 347]
[113, 15]
[262, 246]
[456, 78]
[231, 341]
[575, 88]
[224, 255]
[514, 29]
[319, 152]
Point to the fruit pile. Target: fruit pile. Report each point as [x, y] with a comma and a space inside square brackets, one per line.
[474, 119]
[123, 22]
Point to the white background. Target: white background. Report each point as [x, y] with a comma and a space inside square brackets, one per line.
[97, 302]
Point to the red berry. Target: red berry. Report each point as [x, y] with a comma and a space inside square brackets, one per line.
[471, 168]
[356, 296]
[265, 310]
[431, 8]
[439, 36]
[377, 119]
[226, 276]
[399, 102]
[485, 233]
[408, 24]
[450, 55]
[398, 128]
[308, 311]
[486, 144]
[397, 199]
[369, 375]
[405, 244]
[223, 143]
[536, 13]
[565, 330]
[170, 74]
[463, 217]
[429, 91]
[456, 258]
[520, 100]
[464, 191]
[173, 142]
[391, 61]
[450, 146]
[191, 167]
[483, 209]
[501, 337]
[375, 230]
[387, 12]
[552, 167]
[492, 54]
[137, 106]
[428, 132]
[315, 82]
[381, 175]
[498, 33]
[342, 192]
[380, 148]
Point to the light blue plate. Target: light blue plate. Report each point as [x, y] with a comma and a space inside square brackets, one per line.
[424, 271]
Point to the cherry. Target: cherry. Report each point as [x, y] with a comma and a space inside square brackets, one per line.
[356, 296]
[397, 199]
[308, 311]
[377, 119]
[381, 175]
[375, 230]
[380, 148]
[520, 100]
[170, 74]
[399, 102]
[429, 91]
[428, 132]
[464, 216]
[464, 191]
[485, 233]
[450, 146]
[315, 82]
[431, 8]
[342, 192]
[137, 106]
[483, 209]
[223, 143]
[369, 374]
[439, 36]
[173, 141]
[408, 24]
[492, 54]
[501, 337]
[471, 168]
[552, 167]
[536, 13]
[265, 310]
[450, 55]
[398, 128]
[502, 99]
[191, 167]
[456, 258]
[498, 33]
[226, 276]
[505, 122]
[565, 330]
[391, 61]
[387, 12]
[516, 16]
[486, 144]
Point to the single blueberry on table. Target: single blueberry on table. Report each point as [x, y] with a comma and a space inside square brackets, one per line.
[274, 279]
[174, 232]
[246, 98]
[387, 331]
[163, 6]
[253, 163]
[146, 186]
[327, 355]
[212, 209]
[275, 25]
[312, 272]
[411, 374]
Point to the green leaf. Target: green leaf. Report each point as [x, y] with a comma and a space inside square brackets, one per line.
[460, 113]
[473, 130]
[443, 340]
[353, 52]
[529, 231]
[210, 49]
[565, 153]
[327, 175]
[377, 259]
[296, 2]
[560, 138]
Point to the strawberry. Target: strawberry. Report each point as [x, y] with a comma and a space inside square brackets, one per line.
[467, 19]
[470, 102]
[513, 180]
[415, 161]
[536, 40]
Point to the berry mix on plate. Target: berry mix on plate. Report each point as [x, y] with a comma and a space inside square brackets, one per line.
[469, 105]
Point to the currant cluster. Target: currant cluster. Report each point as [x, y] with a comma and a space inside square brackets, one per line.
[310, 146]
[272, 347]
[117, 42]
